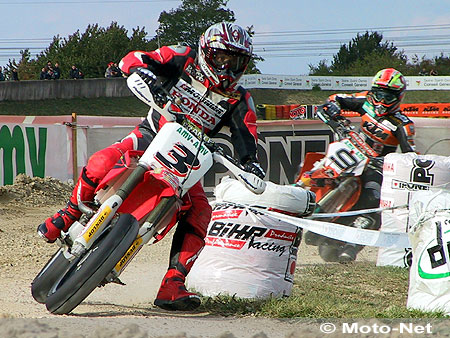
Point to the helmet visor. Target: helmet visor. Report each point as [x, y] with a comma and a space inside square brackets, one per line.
[235, 62]
[384, 96]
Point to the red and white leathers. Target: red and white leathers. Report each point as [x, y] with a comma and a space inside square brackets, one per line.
[233, 107]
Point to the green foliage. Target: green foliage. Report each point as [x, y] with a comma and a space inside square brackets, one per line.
[366, 54]
[25, 68]
[372, 63]
[90, 51]
[320, 70]
[187, 23]
[93, 49]
[360, 47]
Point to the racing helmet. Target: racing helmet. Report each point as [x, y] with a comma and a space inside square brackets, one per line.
[224, 52]
[387, 92]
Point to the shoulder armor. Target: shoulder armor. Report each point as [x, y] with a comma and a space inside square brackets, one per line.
[403, 118]
[179, 49]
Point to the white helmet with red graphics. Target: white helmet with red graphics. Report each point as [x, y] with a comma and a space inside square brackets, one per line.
[224, 52]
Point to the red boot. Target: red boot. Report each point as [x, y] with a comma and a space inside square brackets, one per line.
[172, 294]
[51, 229]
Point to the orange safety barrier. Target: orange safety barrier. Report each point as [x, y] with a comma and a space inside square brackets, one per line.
[279, 111]
[285, 110]
[426, 109]
[417, 110]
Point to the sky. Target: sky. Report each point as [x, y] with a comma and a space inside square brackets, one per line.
[289, 34]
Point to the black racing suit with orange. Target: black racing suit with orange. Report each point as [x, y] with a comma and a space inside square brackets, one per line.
[384, 134]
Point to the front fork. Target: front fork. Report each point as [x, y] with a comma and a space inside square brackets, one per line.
[103, 216]
[158, 219]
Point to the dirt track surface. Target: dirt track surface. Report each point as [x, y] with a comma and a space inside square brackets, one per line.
[113, 311]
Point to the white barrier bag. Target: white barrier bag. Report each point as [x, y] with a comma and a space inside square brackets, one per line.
[429, 278]
[245, 256]
[246, 253]
[287, 198]
[404, 174]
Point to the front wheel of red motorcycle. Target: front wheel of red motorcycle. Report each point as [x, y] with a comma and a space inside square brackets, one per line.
[82, 278]
[49, 274]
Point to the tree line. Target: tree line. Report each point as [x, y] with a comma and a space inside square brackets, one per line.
[97, 46]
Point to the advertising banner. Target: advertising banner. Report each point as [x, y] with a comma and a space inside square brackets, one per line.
[338, 83]
[42, 146]
[426, 109]
[36, 150]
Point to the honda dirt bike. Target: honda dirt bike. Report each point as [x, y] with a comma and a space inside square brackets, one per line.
[335, 178]
[136, 203]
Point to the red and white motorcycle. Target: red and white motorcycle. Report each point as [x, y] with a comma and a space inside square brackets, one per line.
[136, 203]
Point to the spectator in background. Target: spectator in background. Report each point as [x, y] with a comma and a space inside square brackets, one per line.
[433, 72]
[56, 72]
[109, 71]
[423, 72]
[75, 73]
[14, 75]
[113, 70]
[2, 75]
[49, 69]
[44, 74]
[116, 70]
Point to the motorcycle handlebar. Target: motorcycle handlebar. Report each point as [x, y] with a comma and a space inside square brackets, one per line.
[142, 91]
[338, 124]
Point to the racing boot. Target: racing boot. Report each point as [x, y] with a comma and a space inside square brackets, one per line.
[172, 294]
[51, 229]
[329, 249]
[350, 250]
[349, 253]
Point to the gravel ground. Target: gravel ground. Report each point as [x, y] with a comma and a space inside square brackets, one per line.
[112, 311]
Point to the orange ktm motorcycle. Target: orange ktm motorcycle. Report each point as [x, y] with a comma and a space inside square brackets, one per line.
[335, 178]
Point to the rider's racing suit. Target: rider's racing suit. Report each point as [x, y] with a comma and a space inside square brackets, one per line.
[214, 109]
[233, 108]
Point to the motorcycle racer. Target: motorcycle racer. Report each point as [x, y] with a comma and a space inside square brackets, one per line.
[384, 128]
[210, 75]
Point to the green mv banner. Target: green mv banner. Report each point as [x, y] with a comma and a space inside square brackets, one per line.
[31, 150]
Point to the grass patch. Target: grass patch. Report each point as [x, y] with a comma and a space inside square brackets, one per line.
[103, 106]
[358, 290]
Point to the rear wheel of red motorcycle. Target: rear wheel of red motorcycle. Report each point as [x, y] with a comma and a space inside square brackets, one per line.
[82, 278]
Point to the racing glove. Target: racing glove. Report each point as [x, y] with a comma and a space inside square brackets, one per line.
[254, 168]
[157, 90]
[332, 109]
